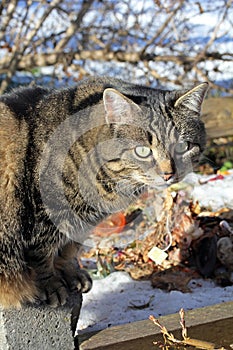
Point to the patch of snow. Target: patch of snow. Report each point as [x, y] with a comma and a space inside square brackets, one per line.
[111, 300]
[215, 195]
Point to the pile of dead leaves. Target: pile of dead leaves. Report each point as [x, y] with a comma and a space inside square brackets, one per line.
[184, 243]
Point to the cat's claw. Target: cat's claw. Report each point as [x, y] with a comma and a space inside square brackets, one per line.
[83, 281]
[77, 279]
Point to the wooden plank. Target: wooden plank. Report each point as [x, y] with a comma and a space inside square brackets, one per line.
[212, 323]
[217, 114]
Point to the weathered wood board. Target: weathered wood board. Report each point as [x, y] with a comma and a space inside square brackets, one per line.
[217, 114]
[211, 323]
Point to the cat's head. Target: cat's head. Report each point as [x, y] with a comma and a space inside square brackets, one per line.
[158, 137]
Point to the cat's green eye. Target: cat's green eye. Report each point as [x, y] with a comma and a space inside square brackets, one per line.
[142, 151]
[181, 147]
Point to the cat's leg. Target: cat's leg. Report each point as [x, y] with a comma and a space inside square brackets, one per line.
[17, 284]
[57, 276]
[16, 280]
[67, 264]
[51, 287]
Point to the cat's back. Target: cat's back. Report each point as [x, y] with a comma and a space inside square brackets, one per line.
[20, 102]
[15, 108]
[90, 91]
[38, 102]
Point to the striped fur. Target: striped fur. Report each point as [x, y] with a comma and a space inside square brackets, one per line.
[68, 159]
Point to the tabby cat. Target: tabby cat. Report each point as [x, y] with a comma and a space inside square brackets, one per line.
[71, 157]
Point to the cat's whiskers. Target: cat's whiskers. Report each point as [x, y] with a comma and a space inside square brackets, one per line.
[208, 160]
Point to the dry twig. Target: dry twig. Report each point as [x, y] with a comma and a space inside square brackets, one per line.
[186, 341]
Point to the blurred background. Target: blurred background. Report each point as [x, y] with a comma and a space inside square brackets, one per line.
[163, 43]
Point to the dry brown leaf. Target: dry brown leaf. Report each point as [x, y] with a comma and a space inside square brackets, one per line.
[172, 279]
[141, 272]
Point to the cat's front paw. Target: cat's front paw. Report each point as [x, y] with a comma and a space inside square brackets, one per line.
[80, 281]
[75, 278]
[53, 290]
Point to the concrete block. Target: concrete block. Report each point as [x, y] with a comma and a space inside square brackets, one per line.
[39, 327]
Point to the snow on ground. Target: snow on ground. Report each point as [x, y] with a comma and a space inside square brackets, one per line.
[112, 299]
[213, 195]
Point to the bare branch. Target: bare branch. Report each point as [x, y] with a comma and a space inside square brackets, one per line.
[157, 41]
[74, 26]
[6, 19]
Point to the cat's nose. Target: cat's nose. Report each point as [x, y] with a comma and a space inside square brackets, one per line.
[167, 176]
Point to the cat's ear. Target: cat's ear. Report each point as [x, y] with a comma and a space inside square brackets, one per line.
[192, 99]
[119, 109]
